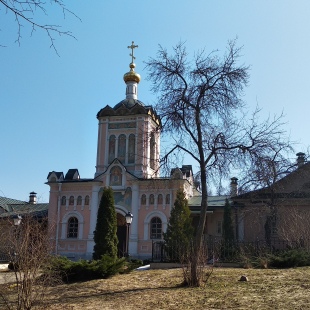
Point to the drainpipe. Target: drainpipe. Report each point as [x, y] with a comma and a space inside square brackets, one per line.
[58, 217]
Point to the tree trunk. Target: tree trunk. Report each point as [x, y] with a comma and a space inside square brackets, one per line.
[197, 255]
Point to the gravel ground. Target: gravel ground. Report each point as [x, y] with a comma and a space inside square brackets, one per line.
[5, 275]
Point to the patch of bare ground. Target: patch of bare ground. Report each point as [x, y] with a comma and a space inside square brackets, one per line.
[160, 289]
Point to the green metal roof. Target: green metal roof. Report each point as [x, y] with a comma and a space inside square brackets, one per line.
[6, 203]
[213, 201]
[13, 207]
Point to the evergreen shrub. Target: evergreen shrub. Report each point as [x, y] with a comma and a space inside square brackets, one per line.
[229, 251]
[179, 235]
[133, 264]
[84, 270]
[289, 259]
[13, 266]
[105, 234]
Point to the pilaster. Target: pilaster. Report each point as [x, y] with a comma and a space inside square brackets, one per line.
[93, 217]
[133, 237]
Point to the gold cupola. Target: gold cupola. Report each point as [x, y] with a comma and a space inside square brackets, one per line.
[132, 76]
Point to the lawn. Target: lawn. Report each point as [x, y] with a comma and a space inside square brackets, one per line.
[160, 289]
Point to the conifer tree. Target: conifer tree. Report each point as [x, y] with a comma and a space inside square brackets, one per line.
[180, 231]
[105, 235]
[228, 228]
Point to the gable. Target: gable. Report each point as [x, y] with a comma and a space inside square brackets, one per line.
[116, 174]
[295, 185]
[55, 176]
[72, 174]
[296, 181]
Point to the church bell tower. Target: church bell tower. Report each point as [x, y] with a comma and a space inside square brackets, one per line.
[129, 132]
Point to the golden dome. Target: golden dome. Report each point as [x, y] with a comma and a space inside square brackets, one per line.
[132, 76]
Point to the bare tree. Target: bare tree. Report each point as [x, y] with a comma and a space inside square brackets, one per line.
[294, 225]
[200, 106]
[29, 251]
[287, 201]
[265, 171]
[30, 12]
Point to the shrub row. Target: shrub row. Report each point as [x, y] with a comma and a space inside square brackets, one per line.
[289, 258]
[280, 259]
[84, 270]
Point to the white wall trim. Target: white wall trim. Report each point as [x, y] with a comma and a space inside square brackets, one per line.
[64, 224]
[147, 220]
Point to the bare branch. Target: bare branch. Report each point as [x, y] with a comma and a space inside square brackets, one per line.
[200, 103]
[25, 11]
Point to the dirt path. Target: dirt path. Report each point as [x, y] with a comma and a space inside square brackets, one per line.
[7, 277]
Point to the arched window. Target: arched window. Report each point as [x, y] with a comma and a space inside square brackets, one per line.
[143, 200]
[131, 149]
[116, 176]
[151, 199]
[71, 201]
[160, 199]
[152, 151]
[156, 228]
[112, 145]
[63, 200]
[86, 200]
[73, 226]
[168, 199]
[121, 148]
[79, 200]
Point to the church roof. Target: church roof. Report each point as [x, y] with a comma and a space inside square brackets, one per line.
[129, 107]
[57, 174]
[186, 170]
[129, 103]
[72, 174]
[84, 180]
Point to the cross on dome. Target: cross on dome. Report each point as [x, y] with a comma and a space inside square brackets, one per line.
[132, 46]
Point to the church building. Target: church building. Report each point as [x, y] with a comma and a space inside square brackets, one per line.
[127, 161]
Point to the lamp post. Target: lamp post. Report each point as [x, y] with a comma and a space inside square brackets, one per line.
[17, 221]
[128, 218]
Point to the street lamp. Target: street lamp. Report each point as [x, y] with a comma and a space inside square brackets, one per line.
[128, 218]
[17, 220]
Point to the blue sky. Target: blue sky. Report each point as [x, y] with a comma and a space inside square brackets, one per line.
[49, 103]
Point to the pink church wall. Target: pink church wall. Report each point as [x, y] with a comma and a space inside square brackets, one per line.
[79, 247]
[58, 223]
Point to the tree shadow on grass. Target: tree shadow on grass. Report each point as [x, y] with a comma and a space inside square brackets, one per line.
[104, 294]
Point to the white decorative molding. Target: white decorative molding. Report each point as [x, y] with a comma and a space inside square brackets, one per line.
[64, 224]
[147, 220]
